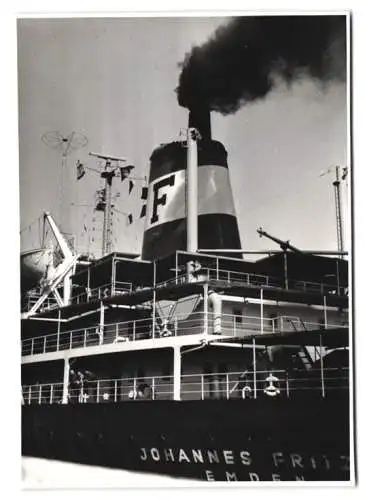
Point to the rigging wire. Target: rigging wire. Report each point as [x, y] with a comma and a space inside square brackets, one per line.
[28, 226]
[40, 232]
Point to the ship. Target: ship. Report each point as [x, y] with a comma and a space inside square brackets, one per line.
[191, 360]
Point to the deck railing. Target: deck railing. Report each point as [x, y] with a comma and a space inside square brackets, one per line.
[199, 386]
[102, 292]
[209, 274]
[142, 329]
[251, 279]
[32, 298]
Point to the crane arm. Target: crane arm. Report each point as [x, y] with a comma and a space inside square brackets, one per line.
[61, 240]
[284, 245]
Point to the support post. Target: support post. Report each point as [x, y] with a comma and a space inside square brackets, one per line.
[114, 263]
[325, 311]
[261, 310]
[101, 323]
[66, 377]
[338, 277]
[176, 266]
[153, 387]
[88, 285]
[205, 300]
[286, 270]
[254, 368]
[58, 330]
[154, 300]
[67, 288]
[97, 391]
[177, 373]
[321, 360]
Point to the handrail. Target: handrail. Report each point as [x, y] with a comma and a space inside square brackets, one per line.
[103, 291]
[252, 279]
[203, 274]
[230, 385]
[141, 329]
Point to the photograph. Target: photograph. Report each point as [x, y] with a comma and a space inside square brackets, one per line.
[185, 219]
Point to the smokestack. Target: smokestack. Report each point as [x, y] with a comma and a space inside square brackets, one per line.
[199, 118]
[166, 226]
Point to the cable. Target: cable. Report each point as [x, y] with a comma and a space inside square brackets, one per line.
[28, 226]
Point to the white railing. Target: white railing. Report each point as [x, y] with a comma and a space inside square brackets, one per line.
[255, 280]
[42, 393]
[102, 292]
[199, 386]
[33, 296]
[232, 277]
[142, 329]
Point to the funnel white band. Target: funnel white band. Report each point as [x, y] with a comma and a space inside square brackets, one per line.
[166, 195]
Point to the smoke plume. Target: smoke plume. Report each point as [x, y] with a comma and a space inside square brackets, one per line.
[244, 59]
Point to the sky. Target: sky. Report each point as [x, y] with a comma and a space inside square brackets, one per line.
[113, 80]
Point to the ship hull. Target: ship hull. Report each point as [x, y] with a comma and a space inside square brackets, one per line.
[216, 440]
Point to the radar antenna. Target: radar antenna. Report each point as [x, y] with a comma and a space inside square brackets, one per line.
[66, 145]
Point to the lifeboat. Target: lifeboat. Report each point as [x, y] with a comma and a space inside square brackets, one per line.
[35, 266]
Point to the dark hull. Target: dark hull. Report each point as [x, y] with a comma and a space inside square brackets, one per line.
[244, 440]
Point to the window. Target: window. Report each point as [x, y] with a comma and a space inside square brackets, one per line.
[237, 314]
[274, 323]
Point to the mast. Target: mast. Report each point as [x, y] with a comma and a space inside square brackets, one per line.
[338, 203]
[107, 229]
[339, 228]
[110, 171]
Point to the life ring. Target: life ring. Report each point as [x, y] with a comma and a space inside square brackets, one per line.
[132, 394]
[245, 391]
[271, 389]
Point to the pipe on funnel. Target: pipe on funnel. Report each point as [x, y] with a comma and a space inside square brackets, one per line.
[216, 302]
[191, 201]
[192, 192]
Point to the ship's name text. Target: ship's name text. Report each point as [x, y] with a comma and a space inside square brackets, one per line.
[276, 460]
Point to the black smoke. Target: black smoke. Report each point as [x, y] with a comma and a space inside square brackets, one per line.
[245, 58]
